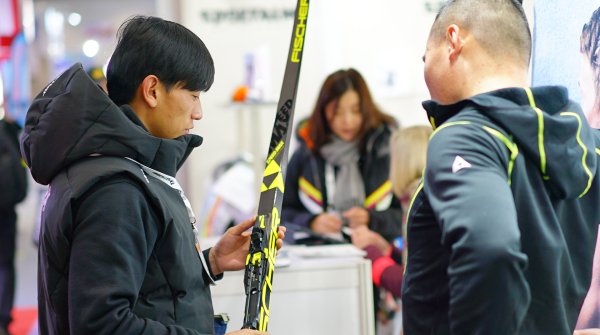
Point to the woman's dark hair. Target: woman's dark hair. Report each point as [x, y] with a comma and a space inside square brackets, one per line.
[333, 88]
[168, 50]
[590, 44]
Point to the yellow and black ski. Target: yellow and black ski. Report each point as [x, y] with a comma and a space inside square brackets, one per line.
[258, 279]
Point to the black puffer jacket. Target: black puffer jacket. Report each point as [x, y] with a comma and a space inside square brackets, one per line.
[305, 188]
[117, 252]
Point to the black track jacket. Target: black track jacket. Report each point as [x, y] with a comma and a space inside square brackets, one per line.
[501, 235]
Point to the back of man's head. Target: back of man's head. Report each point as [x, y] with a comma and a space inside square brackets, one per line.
[499, 26]
[168, 50]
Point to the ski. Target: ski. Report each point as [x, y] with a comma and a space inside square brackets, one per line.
[260, 264]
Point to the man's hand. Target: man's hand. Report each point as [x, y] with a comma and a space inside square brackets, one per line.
[356, 216]
[247, 332]
[229, 254]
[594, 331]
[325, 223]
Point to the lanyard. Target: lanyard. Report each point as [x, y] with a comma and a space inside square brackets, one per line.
[174, 184]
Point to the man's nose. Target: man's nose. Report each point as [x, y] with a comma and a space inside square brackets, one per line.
[197, 114]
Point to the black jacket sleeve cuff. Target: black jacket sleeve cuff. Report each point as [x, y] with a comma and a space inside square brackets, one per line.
[208, 277]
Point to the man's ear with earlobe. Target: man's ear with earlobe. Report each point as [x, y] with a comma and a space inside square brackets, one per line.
[455, 41]
[149, 90]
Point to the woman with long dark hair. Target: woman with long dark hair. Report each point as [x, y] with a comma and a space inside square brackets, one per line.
[339, 176]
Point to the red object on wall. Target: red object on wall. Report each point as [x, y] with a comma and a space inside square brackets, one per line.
[10, 28]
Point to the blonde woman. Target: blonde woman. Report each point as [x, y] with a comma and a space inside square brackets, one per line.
[408, 152]
[408, 148]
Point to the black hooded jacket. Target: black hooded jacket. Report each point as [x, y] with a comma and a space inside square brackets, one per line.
[501, 234]
[117, 252]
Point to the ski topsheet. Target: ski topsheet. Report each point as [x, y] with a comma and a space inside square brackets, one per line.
[258, 278]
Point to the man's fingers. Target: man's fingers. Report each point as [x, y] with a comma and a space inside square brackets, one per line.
[281, 232]
[591, 331]
[243, 226]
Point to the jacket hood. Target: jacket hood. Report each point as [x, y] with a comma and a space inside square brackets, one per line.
[548, 128]
[73, 118]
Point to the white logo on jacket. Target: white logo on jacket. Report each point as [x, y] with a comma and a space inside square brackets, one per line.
[459, 164]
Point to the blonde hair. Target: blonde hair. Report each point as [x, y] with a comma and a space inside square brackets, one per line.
[408, 152]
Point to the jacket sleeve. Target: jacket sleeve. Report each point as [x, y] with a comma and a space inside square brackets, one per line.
[466, 182]
[113, 238]
[13, 176]
[293, 211]
[388, 223]
[386, 272]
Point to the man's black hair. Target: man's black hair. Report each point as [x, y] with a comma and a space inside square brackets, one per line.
[168, 50]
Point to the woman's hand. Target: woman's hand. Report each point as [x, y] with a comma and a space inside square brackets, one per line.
[356, 216]
[229, 254]
[363, 237]
[326, 223]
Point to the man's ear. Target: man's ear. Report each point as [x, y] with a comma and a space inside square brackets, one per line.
[149, 90]
[454, 40]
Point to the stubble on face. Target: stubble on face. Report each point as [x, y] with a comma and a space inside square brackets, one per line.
[434, 69]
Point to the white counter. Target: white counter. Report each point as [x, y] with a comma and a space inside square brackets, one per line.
[320, 292]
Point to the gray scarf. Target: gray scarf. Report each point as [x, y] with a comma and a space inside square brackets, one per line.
[349, 186]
